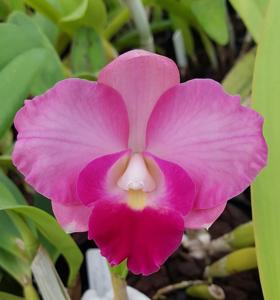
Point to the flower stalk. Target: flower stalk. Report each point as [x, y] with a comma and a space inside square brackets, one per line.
[119, 287]
[142, 24]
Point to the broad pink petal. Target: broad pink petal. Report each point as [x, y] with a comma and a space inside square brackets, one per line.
[203, 218]
[146, 238]
[64, 129]
[207, 132]
[72, 218]
[140, 77]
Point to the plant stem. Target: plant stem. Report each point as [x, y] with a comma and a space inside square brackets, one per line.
[176, 286]
[119, 287]
[30, 293]
[139, 15]
[206, 291]
[132, 37]
[117, 23]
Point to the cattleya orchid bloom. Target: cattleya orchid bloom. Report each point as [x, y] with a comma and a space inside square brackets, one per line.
[137, 157]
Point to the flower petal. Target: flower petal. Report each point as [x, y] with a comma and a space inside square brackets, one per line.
[203, 218]
[141, 78]
[144, 228]
[207, 132]
[99, 181]
[175, 188]
[146, 238]
[72, 218]
[64, 129]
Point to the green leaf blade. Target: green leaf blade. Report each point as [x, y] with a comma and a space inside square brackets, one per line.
[212, 16]
[266, 189]
[15, 74]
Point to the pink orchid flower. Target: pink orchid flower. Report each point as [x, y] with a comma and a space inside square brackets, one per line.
[137, 157]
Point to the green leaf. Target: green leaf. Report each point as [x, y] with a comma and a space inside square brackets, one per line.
[52, 70]
[12, 188]
[87, 53]
[15, 266]
[183, 25]
[68, 6]
[16, 236]
[6, 143]
[6, 296]
[11, 240]
[22, 72]
[212, 16]
[4, 9]
[49, 28]
[90, 13]
[252, 13]
[209, 48]
[266, 189]
[49, 228]
[45, 8]
[17, 5]
[239, 78]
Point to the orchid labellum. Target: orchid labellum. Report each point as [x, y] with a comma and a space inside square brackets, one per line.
[137, 157]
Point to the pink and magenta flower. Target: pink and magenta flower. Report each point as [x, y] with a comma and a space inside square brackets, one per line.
[137, 157]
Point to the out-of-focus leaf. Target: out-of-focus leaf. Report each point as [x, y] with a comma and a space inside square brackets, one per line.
[90, 13]
[49, 228]
[68, 6]
[20, 238]
[47, 279]
[42, 202]
[44, 7]
[53, 68]
[6, 143]
[131, 38]
[212, 16]
[19, 269]
[10, 238]
[240, 77]
[252, 13]
[12, 188]
[266, 189]
[87, 53]
[87, 76]
[183, 25]
[6, 296]
[17, 5]
[7, 6]
[22, 71]
[209, 48]
[4, 9]
[49, 28]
